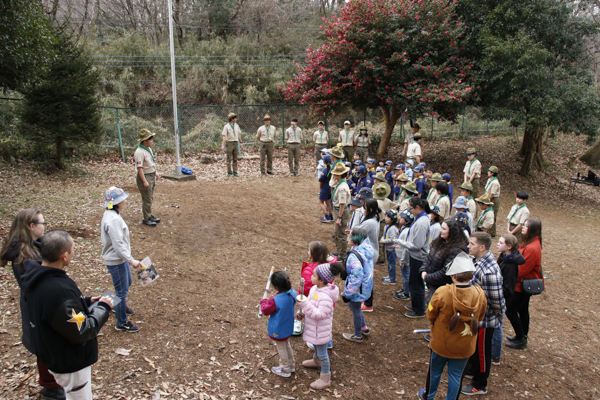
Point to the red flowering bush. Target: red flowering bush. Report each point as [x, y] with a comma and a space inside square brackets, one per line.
[397, 55]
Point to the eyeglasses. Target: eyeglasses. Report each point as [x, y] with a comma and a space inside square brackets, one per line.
[40, 223]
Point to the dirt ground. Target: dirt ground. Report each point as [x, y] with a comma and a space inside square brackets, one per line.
[200, 335]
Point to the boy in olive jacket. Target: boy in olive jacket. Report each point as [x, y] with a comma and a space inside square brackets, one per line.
[455, 311]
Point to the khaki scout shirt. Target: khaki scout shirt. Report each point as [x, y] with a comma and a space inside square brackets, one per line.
[341, 194]
[321, 137]
[443, 202]
[472, 167]
[486, 220]
[231, 134]
[143, 159]
[404, 204]
[293, 135]
[347, 137]
[432, 197]
[414, 150]
[362, 141]
[518, 215]
[472, 206]
[493, 187]
[266, 135]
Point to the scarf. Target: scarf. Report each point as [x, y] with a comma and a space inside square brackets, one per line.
[148, 150]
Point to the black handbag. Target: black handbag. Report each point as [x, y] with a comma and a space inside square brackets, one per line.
[533, 286]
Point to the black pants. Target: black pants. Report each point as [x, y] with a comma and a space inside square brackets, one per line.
[481, 361]
[518, 314]
[417, 287]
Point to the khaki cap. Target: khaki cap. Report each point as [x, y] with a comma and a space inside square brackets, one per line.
[467, 186]
[484, 199]
[437, 177]
[340, 169]
[145, 134]
[381, 190]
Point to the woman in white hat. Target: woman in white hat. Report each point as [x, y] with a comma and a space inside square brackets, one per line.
[116, 253]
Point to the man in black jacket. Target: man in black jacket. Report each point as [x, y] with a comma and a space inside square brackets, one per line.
[63, 331]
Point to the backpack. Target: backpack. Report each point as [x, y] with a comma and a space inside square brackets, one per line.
[344, 274]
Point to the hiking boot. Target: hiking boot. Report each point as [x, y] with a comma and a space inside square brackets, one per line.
[517, 344]
[313, 363]
[495, 361]
[53, 394]
[351, 337]
[470, 390]
[279, 371]
[323, 382]
[149, 222]
[412, 314]
[154, 219]
[127, 327]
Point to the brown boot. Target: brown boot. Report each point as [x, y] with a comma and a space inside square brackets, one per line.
[323, 382]
[314, 363]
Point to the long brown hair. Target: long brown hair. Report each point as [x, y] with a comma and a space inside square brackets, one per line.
[20, 230]
[534, 229]
[456, 239]
[318, 252]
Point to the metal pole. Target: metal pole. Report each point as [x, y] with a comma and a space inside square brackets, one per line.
[174, 84]
[327, 129]
[120, 137]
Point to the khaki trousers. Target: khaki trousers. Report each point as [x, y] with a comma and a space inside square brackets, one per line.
[231, 148]
[341, 242]
[318, 148]
[475, 192]
[496, 208]
[348, 152]
[147, 193]
[286, 355]
[294, 157]
[518, 234]
[266, 148]
[364, 154]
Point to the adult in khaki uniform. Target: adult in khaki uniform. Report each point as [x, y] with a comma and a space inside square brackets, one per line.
[232, 138]
[486, 220]
[340, 197]
[414, 149]
[347, 141]
[146, 177]
[492, 189]
[321, 139]
[409, 137]
[266, 137]
[472, 171]
[362, 143]
[293, 137]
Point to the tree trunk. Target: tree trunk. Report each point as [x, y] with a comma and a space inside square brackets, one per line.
[531, 149]
[391, 115]
[592, 156]
[59, 155]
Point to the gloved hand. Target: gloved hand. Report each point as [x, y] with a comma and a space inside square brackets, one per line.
[345, 299]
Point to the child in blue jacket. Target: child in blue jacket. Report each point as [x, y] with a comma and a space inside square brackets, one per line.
[280, 327]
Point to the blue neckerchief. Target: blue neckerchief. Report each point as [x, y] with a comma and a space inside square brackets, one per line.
[422, 214]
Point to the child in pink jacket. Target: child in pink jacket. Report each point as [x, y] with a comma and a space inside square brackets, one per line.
[317, 309]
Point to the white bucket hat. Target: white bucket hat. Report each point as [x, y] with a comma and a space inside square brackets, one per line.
[462, 263]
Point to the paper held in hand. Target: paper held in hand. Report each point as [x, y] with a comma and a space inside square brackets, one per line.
[146, 272]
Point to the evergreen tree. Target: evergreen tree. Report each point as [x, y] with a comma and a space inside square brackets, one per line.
[62, 108]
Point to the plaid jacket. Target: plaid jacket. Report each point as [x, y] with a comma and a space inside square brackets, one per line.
[487, 275]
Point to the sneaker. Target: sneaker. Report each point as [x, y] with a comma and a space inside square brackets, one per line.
[128, 311]
[229, 174]
[270, 173]
[263, 174]
[383, 278]
[421, 394]
[351, 337]
[387, 281]
[495, 361]
[149, 222]
[366, 332]
[408, 307]
[235, 174]
[470, 390]
[154, 219]
[366, 309]
[53, 394]
[427, 337]
[127, 327]
[324, 220]
[517, 344]
[412, 314]
[403, 296]
[279, 371]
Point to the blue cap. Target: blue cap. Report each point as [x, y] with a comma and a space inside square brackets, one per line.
[347, 164]
[324, 151]
[361, 169]
[423, 165]
[400, 166]
[371, 160]
[410, 162]
[418, 169]
[461, 202]
[326, 159]
[380, 169]
[446, 176]
[357, 162]
[389, 162]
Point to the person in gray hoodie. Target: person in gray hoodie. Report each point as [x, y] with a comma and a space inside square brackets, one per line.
[116, 253]
[417, 244]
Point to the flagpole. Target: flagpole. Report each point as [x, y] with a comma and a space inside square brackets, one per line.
[174, 84]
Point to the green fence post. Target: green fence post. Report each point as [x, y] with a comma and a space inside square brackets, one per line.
[327, 129]
[282, 125]
[120, 138]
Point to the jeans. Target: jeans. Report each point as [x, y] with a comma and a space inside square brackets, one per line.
[77, 385]
[321, 354]
[358, 317]
[121, 277]
[405, 270]
[518, 314]
[497, 341]
[455, 372]
[391, 260]
[417, 287]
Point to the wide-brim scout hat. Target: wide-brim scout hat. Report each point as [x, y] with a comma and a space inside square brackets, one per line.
[145, 134]
[484, 199]
[340, 169]
[114, 195]
[393, 214]
[381, 190]
[337, 152]
[467, 186]
[411, 187]
[363, 128]
[379, 176]
[356, 202]
[402, 178]
[437, 177]
[471, 150]
[461, 202]
[461, 263]
[231, 116]
[493, 169]
[417, 136]
[407, 215]
[267, 118]
[436, 210]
